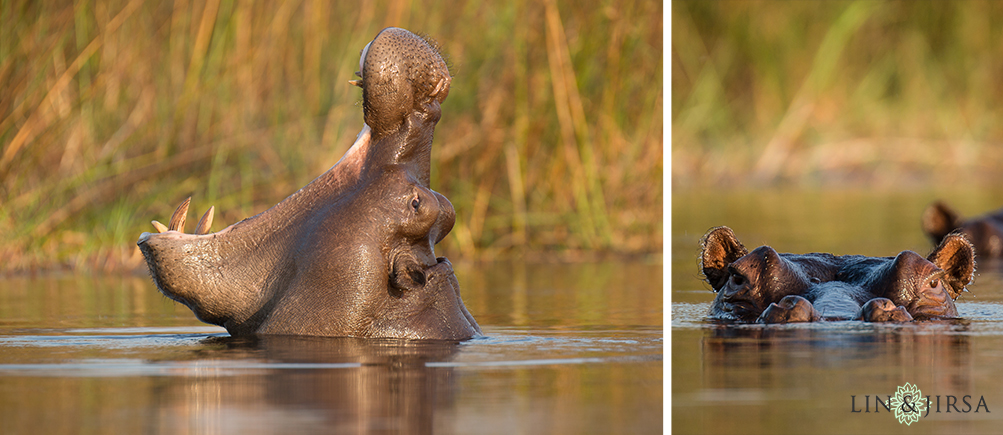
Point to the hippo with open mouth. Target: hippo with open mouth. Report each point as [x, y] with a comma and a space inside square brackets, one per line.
[352, 252]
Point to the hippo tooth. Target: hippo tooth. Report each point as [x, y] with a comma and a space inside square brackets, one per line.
[205, 222]
[161, 228]
[443, 84]
[178, 218]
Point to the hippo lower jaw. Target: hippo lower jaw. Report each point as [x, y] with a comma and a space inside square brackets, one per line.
[209, 276]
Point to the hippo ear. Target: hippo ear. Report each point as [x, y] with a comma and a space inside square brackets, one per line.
[719, 248]
[939, 220]
[956, 256]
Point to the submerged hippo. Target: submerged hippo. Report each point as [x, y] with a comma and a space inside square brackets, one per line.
[351, 253]
[985, 232]
[768, 287]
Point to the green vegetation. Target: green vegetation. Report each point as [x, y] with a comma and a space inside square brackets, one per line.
[889, 94]
[111, 113]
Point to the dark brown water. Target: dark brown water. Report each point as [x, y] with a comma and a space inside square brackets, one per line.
[569, 349]
[824, 377]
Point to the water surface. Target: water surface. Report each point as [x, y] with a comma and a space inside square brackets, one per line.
[568, 349]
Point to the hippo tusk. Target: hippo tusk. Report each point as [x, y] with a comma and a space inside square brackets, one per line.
[205, 222]
[178, 218]
[161, 228]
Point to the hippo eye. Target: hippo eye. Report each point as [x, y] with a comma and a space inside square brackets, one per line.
[415, 203]
[737, 279]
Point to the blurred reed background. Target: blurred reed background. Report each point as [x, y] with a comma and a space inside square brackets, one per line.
[113, 112]
[876, 94]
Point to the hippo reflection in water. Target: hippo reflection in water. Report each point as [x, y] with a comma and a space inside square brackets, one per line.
[768, 287]
[350, 254]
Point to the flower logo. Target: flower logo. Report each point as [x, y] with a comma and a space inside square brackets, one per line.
[908, 404]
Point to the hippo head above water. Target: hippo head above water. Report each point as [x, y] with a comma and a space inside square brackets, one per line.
[350, 254]
[768, 287]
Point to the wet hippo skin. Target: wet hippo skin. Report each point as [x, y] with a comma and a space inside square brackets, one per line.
[985, 232]
[769, 287]
[350, 254]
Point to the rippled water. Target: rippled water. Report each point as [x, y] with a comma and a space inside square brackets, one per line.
[568, 349]
[825, 377]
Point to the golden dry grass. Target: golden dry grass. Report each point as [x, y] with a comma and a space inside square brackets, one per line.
[888, 94]
[112, 112]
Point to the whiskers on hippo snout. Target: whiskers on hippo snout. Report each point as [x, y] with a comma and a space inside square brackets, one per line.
[177, 222]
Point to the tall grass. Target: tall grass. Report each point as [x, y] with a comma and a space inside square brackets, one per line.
[112, 112]
[897, 94]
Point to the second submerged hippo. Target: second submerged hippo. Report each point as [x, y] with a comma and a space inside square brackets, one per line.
[985, 232]
[770, 287]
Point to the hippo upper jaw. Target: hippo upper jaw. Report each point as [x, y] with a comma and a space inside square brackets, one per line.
[401, 72]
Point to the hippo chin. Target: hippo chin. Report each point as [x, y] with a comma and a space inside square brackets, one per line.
[351, 253]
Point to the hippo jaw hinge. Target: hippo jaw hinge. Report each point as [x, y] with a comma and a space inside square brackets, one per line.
[406, 275]
[417, 276]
